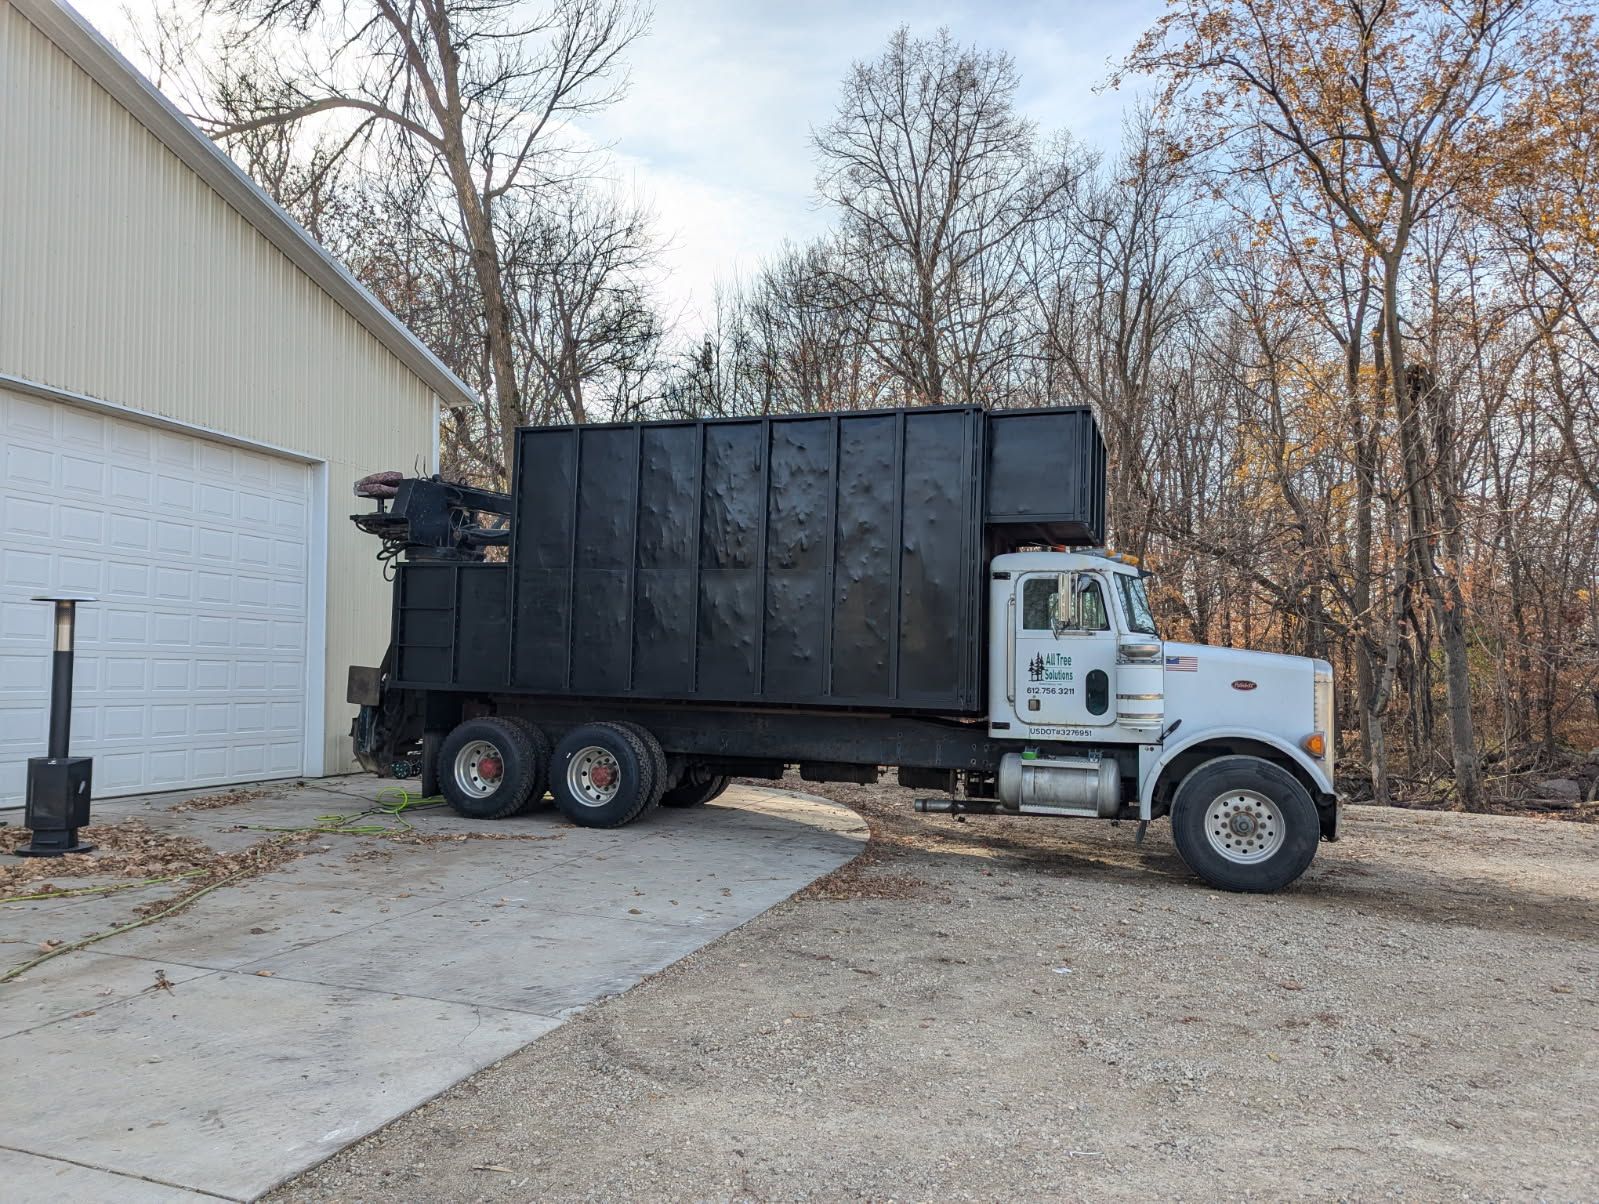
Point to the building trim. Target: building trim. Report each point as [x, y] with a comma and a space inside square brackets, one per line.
[85, 46]
[34, 388]
[313, 761]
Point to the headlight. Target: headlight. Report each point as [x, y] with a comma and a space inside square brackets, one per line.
[1324, 720]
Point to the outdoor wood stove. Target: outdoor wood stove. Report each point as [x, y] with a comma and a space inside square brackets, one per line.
[59, 785]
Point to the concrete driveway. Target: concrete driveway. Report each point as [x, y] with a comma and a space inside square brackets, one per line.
[224, 1049]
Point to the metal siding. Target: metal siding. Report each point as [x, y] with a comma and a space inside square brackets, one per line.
[124, 277]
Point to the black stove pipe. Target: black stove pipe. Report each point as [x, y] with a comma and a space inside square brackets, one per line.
[61, 680]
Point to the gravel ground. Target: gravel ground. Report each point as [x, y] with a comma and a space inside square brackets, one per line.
[1021, 1009]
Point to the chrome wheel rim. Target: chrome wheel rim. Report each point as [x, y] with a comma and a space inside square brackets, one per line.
[592, 776]
[479, 769]
[1245, 827]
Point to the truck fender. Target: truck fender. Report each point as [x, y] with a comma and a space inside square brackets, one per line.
[1146, 790]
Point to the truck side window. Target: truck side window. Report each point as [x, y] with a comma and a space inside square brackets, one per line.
[1038, 604]
[1091, 606]
[1038, 601]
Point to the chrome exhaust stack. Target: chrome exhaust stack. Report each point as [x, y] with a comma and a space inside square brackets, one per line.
[956, 806]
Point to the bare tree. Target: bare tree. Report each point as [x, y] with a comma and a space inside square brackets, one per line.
[481, 91]
[935, 178]
[1388, 111]
[578, 268]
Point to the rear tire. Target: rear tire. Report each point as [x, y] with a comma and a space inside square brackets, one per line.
[694, 792]
[657, 756]
[487, 767]
[541, 752]
[1242, 823]
[602, 776]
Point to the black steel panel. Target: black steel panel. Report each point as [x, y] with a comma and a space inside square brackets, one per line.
[799, 560]
[602, 585]
[542, 555]
[667, 576]
[936, 582]
[864, 555]
[732, 515]
[425, 616]
[483, 629]
[1046, 476]
[800, 485]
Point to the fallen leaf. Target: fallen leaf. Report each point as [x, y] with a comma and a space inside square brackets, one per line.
[53, 943]
[1291, 985]
[1561, 988]
[265, 973]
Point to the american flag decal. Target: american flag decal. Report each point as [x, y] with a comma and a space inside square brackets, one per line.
[1182, 664]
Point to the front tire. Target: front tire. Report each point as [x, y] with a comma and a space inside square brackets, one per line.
[487, 768]
[602, 776]
[1244, 824]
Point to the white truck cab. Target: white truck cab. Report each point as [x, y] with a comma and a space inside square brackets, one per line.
[1111, 721]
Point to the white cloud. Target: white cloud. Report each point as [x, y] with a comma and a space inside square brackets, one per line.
[716, 126]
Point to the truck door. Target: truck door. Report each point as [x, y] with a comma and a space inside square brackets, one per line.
[1065, 678]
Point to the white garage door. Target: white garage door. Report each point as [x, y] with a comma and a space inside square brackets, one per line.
[191, 669]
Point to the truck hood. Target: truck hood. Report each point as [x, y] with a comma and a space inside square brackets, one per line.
[1209, 686]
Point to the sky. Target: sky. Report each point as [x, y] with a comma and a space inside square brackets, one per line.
[714, 130]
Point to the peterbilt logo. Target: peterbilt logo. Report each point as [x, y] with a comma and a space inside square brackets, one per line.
[1243, 683]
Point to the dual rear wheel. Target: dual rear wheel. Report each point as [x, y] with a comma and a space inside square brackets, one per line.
[493, 767]
[601, 775]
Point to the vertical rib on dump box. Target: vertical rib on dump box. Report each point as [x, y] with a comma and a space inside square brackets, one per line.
[830, 559]
[810, 560]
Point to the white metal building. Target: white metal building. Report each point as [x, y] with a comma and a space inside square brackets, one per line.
[188, 386]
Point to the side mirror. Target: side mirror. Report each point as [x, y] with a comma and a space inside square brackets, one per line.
[1064, 604]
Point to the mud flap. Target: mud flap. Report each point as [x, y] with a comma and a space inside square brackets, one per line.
[431, 741]
[1332, 818]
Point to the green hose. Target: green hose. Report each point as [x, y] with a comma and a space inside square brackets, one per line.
[392, 803]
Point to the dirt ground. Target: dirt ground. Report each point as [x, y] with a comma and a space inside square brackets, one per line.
[1021, 1009]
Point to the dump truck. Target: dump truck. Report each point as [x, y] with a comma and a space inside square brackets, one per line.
[657, 607]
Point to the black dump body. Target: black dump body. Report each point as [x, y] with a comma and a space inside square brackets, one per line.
[830, 560]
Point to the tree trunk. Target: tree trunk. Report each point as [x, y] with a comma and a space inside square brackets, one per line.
[496, 315]
[1442, 589]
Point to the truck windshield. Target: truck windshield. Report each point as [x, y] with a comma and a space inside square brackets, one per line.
[1135, 604]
